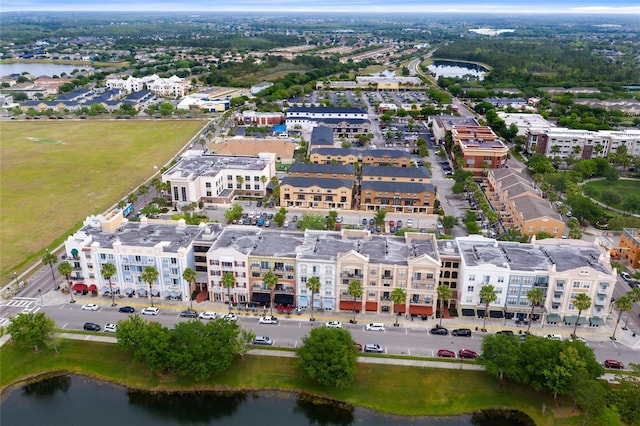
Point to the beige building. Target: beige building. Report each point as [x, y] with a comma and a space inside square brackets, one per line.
[479, 147]
[333, 156]
[316, 193]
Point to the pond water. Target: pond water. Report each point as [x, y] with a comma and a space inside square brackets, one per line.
[456, 69]
[71, 400]
[39, 69]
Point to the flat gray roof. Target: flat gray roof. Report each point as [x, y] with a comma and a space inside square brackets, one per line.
[211, 165]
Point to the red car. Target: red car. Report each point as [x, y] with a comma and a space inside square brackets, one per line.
[467, 353]
[392, 223]
[612, 363]
[445, 353]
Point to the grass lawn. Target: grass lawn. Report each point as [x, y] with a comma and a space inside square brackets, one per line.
[620, 187]
[55, 173]
[387, 388]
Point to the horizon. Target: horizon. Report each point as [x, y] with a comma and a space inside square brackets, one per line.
[331, 6]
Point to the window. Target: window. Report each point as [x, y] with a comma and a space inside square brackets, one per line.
[472, 277]
[470, 288]
[500, 279]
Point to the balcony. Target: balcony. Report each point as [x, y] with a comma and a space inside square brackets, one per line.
[351, 275]
[602, 290]
[423, 282]
[284, 290]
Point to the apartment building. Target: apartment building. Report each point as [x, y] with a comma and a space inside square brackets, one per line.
[257, 118]
[173, 87]
[386, 157]
[480, 148]
[397, 197]
[333, 155]
[347, 123]
[629, 249]
[316, 193]
[219, 178]
[325, 171]
[449, 273]
[443, 124]
[558, 142]
[230, 254]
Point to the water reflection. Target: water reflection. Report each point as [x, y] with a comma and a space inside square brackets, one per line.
[457, 69]
[72, 399]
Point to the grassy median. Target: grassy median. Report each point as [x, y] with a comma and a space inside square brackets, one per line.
[54, 173]
[386, 388]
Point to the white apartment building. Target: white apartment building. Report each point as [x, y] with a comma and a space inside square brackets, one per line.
[229, 254]
[219, 178]
[130, 247]
[308, 117]
[561, 142]
[173, 87]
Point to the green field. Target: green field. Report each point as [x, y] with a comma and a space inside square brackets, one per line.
[621, 187]
[55, 173]
[387, 388]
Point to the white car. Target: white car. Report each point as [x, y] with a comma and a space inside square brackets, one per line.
[150, 311]
[333, 324]
[208, 315]
[230, 317]
[268, 320]
[89, 307]
[553, 336]
[374, 326]
[625, 276]
[409, 223]
[110, 328]
[285, 224]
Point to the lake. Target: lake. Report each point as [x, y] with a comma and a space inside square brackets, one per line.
[456, 69]
[70, 400]
[38, 69]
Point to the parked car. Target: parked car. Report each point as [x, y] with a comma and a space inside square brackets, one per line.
[333, 324]
[446, 353]
[230, 317]
[150, 311]
[374, 348]
[374, 326]
[372, 222]
[409, 223]
[259, 204]
[110, 328]
[467, 354]
[365, 222]
[399, 224]
[625, 276]
[89, 326]
[189, 313]
[263, 340]
[339, 219]
[553, 337]
[268, 320]
[439, 331]
[89, 307]
[208, 315]
[294, 219]
[612, 363]
[127, 309]
[392, 223]
[285, 224]
[464, 332]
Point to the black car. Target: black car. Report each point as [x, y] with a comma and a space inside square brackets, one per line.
[270, 205]
[259, 204]
[464, 332]
[89, 326]
[189, 313]
[127, 309]
[439, 331]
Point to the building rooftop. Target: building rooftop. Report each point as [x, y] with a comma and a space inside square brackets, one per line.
[400, 187]
[534, 208]
[313, 168]
[326, 110]
[210, 165]
[379, 153]
[322, 135]
[405, 172]
[307, 182]
[334, 151]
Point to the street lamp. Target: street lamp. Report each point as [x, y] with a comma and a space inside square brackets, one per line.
[40, 293]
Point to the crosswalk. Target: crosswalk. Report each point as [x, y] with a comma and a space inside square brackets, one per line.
[28, 304]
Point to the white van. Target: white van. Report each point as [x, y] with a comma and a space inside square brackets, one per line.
[375, 326]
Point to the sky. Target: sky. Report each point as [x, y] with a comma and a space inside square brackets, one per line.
[354, 6]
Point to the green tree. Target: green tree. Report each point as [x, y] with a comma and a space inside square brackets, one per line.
[228, 281]
[328, 356]
[444, 294]
[234, 213]
[488, 295]
[190, 276]
[399, 298]
[311, 221]
[501, 356]
[313, 285]
[109, 270]
[591, 398]
[280, 217]
[143, 190]
[581, 302]
[448, 222]
[559, 377]
[239, 181]
[271, 281]
[149, 275]
[623, 304]
[535, 296]
[65, 269]
[355, 290]
[379, 217]
[331, 219]
[31, 330]
[51, 259]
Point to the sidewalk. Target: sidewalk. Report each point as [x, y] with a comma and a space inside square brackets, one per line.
[596, 334]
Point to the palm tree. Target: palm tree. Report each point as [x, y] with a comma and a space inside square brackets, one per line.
[51, 259]
[378, 218]
[189, 275]
[65, 268]
[582, 302]
[228, 281]
[487, 295]
[535, 296]
[399, 297]
[355, 290]
[271, 280]
[108, 270]
[313, 285]
[444, 293]
[263, 180]
[623, 304]
[149, 275]
[132, 198]
[240, 181]
[143, 190]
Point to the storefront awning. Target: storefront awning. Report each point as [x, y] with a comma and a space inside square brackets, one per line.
[468, 312]
[283, 299]
[493, 313]
[74, 252]
[260, 298]
[480, 313]
[596, 321]
[141, 291]
[420, 310]
[129, 290]
[93, 287]
[327, 303]
[347, 305]
[155, 292]
[303, 302]
[570, 319]
[371, 306]
[399, 308]
[553, 318]
[582, 320]
[79, 287]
